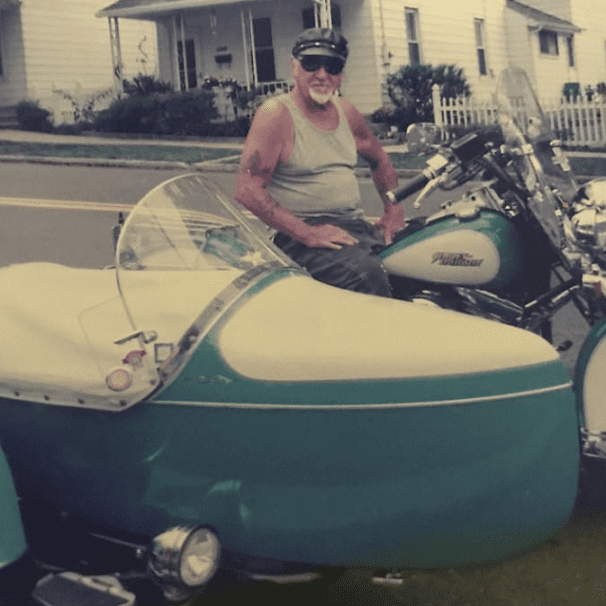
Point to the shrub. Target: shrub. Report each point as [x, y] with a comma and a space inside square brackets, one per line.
[33, 117]
[131, 115]
[187, 113]
[84, 109]
[410, 90]
[145, 85]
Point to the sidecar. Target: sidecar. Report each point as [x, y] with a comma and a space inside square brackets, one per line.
[207, 383]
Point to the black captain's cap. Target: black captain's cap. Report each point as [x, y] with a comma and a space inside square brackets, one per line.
[321, 41]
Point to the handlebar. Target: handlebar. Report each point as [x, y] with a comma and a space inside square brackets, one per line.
[461, 153]
[413, 186]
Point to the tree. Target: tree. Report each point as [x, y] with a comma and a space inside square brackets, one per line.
[410, 90]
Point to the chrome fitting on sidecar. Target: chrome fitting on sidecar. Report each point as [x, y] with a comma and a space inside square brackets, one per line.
[182, 559]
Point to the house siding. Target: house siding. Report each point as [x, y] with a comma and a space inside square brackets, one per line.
[447, 36]
[66, 47]
[591, 43]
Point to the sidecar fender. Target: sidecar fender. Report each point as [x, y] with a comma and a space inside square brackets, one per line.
[12, 537]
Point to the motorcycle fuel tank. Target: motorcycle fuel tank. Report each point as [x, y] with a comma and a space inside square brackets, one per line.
[478, 248]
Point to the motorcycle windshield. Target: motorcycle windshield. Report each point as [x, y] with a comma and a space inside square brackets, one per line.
[184, 254]
[527, 130]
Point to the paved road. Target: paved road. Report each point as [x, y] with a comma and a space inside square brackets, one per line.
[40, 225]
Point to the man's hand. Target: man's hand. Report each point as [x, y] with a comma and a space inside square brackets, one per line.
[391, 221]
[327, 236]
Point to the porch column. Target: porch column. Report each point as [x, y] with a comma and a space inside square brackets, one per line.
[177, 79]
[184, 53]
[114, 41]
[325, 13]
[245, 47]
[252, 45]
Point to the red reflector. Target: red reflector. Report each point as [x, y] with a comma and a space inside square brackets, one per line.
[119, 379]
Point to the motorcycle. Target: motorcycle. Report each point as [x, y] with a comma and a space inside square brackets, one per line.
[205, 405]
[517, 248]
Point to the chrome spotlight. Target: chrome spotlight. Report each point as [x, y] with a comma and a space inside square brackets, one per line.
[183, 559]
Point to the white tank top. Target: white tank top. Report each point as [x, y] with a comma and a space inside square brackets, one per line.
[318, 178]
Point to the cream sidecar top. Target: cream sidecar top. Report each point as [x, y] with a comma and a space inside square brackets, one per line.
[61, 326]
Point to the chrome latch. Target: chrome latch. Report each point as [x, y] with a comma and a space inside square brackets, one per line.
[146, 337]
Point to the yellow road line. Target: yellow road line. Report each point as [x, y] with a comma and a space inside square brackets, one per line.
[64, 204]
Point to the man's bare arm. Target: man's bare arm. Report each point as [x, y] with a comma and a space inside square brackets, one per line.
[370, 148]
[384, 176]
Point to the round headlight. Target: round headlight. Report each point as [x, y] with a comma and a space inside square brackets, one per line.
[183, 558]
[199, 557]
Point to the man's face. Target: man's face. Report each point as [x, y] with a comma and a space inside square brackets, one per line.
[318, 75]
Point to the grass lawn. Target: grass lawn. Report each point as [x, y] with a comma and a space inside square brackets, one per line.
[589, 165]
[173, 153]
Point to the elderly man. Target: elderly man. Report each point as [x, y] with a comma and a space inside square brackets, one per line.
[297, 172]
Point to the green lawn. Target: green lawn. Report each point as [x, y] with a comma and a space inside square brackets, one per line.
[590, 165]
[173, 153]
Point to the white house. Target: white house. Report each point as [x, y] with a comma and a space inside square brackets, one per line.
[50, 45]
[556, 41]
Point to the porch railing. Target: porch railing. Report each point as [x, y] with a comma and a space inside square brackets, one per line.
[577, 121]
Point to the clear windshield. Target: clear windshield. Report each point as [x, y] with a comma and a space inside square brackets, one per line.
[528, 132]
[180, 252]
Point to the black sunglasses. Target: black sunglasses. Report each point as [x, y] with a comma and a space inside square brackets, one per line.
[311, 63]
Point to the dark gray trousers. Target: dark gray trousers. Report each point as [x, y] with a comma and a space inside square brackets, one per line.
[356, 267]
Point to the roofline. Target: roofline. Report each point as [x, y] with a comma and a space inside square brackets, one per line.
[163, 7]
[533, 15]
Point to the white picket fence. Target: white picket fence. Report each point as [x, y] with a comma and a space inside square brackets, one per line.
[575, 121]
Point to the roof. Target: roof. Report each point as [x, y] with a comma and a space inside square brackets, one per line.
[148, 8]
[541, 20]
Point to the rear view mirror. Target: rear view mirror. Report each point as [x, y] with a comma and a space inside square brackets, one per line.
[422, 137]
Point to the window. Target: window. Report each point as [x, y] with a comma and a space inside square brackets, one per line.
[190, 56]
[548, 42]
[570, 47]
[311, 16]
[412, 35]
[264, 50]
[481, 51]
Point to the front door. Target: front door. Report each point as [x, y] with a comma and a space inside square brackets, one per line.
[264, 50]
[187, 64]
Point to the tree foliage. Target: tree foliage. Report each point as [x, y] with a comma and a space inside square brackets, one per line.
[410, 90]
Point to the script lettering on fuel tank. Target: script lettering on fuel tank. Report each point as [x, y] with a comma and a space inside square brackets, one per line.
[456, 259]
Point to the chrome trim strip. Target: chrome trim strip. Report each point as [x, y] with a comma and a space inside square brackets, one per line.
[379, 406]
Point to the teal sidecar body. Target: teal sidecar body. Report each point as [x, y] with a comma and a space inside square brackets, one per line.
[208, 381]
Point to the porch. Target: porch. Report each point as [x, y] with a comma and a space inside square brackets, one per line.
[224, 41]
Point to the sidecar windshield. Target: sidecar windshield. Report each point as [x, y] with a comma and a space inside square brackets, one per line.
[180, 251]
[528, 133]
